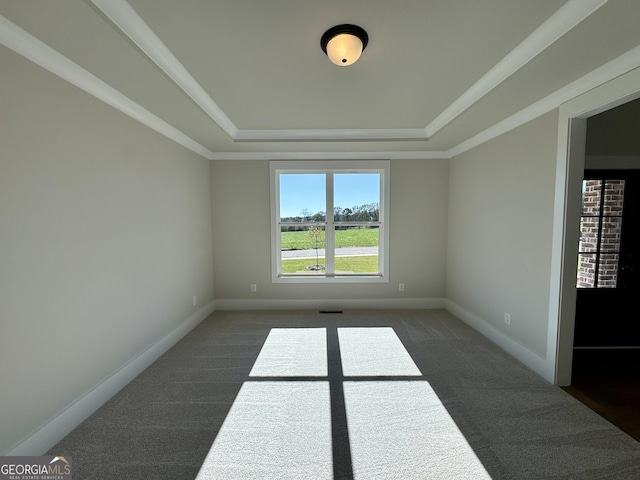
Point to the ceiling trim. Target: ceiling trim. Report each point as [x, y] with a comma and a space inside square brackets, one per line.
[35, 50]
[130, 23]
[23, 43]
[133, 26]
[125, 18]
[564, 19]
[319, 135]
[618, 66]
[417, 155]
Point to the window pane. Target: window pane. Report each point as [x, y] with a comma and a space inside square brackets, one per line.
[600, 233]
[589, 234]
[302, 197]
[611, 230]
[356, 197]
[586, 271]
[613, 197]
[608, 270]
[357, 249]
[591, 197]
[302, 250]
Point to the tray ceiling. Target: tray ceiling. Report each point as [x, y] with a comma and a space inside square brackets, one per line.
[247, 78]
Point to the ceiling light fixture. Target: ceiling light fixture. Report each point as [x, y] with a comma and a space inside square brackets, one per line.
[344, 44]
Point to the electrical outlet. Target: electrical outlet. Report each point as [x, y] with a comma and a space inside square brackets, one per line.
[507, 318]
[195, 300]
[401, 287]
[254, 287]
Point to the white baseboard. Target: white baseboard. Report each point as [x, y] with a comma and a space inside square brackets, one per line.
[330, 304]
[58, 427]
[526, 356]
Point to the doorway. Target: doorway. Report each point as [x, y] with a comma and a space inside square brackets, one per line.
[606, 340]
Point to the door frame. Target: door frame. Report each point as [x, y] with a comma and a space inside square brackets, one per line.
[572, 135]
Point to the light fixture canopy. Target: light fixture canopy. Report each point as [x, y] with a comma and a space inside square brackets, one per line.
[344, 44]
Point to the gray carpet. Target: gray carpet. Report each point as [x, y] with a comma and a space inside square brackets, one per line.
[456, 406]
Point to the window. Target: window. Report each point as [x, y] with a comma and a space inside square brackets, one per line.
[329, 221]
[600, 233]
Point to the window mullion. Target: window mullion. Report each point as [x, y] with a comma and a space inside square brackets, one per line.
[382, 229]
[329, 233]
[599, 238]
[276, 237]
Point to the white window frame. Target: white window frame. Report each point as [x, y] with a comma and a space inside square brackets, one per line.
[381, 167]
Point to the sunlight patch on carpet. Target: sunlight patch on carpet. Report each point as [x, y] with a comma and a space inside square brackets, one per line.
[293, 352]
[374, 352]
[274, 430]
[401, 430]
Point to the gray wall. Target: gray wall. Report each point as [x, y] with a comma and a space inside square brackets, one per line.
[501, 196]
[105, 237]
[242, 242]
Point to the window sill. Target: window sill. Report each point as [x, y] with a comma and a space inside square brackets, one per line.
[302, 279]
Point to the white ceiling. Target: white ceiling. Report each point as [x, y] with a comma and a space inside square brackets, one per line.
[248, 79]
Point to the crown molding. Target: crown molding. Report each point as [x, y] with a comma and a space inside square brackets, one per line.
[123, 16]
[129, 22]
[564, 19]
[390, 155]
[25, 44]
[618, 66]
[332, 135]
[33, 49]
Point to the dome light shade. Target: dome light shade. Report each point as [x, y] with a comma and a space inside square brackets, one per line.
[344, 44]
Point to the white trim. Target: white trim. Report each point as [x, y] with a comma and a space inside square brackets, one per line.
[562, 291]
[237, 304]
[134, 27]
[55, 429]
[564, 19]
[603, 74]
[25, 44]
[385, 219]
[535, 362]
[330, 135]
[311, 278]
[317, 155]
[329, 231]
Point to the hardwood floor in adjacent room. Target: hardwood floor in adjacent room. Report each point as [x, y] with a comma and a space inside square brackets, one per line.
[608, 382]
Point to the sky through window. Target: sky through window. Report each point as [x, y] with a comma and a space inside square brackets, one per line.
[306, 191]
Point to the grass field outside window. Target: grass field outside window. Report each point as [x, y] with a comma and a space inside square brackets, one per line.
[353, 237]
